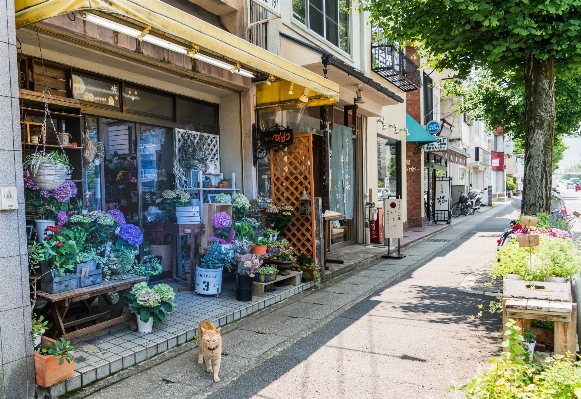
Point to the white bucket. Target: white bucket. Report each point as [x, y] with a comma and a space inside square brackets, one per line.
[208, 281]
[41, 226]
[144, 327]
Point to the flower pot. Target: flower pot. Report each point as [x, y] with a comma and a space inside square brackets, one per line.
[556, 280]
[164, 251]
[273, 276]
[49, 177]
[36, 339]
[264, 278]
[47, 369]
[530, 347]
[53, 283]
[259, 250]
[513, 277]
[208, 281]
[244, 286]
[41, 226]
[144, 327]
[311, 272]
[284, 266]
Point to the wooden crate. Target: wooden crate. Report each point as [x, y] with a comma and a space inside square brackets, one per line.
[294, 278]
[537, 290]
[210, 210]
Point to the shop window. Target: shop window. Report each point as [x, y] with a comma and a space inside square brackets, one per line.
[139, 100]
[387, 168]
[327, 18]
[92, 174]
[197, 113]
[428, 91]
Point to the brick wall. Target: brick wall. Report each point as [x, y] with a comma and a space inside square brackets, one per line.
[414, 164]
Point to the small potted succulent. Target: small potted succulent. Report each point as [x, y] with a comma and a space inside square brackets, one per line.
[54, 362]
[266, 273]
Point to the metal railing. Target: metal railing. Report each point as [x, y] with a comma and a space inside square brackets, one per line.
[481, 155]
[394, 66]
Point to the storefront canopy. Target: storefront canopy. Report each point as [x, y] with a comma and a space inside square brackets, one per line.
[417, 134]
[210, 40]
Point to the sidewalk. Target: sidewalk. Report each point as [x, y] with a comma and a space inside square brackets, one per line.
[117, 348]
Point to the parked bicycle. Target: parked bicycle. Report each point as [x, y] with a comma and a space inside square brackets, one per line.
[462, 207]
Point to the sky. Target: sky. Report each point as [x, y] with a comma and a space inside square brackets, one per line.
[572, 155]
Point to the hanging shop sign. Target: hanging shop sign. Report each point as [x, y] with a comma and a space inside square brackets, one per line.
[442, 193]
[95, 91]
[440, 145]
[274, 138]
[433, 127]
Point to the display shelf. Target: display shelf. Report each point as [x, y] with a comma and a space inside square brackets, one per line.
[66, 147]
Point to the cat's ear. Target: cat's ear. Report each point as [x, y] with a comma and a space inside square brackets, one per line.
[203, 330]
[218, 329]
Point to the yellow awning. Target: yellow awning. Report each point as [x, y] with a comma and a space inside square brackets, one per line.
[174, 22]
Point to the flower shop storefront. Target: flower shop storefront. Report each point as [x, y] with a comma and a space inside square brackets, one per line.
[136, 140]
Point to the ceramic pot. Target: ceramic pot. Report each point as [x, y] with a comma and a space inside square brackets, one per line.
[259, 250]
[41, 226]
[264, 278]
[144, 327]
[47, 369]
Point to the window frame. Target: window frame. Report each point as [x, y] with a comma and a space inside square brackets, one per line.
[307, 25]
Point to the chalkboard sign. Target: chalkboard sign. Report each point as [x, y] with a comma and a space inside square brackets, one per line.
[273, 138]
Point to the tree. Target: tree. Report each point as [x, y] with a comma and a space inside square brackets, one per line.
[500, 101]
[532, 39]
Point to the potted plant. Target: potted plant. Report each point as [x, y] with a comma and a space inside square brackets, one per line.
[90, 267]
[149, 266]
[272, 234]
[279, 216]
[265, 273]
[209, 276]
[224, 183]
[244, 230]
[175, 204]
[529, 342]
[245, 278]
[311, 272]
[285, 259]
[54, 362]
[150, 304]
[263, 201]
[260, 246]
[223, 198]
[240, 206]
[47, 170]
[60, 257]
[39, 326]
[223, 232]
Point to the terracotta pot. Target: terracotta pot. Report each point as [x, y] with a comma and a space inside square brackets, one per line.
[47, 369]
[284, 266]
[224, 184]
[259, 249]
[310, 272]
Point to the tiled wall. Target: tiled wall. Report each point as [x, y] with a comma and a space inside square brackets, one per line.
[16, 364]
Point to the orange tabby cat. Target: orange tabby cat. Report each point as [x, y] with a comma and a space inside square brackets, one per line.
[210, 347]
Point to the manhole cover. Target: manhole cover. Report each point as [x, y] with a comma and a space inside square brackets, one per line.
[437, 240]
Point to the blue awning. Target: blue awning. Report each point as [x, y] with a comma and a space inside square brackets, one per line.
[417, 134]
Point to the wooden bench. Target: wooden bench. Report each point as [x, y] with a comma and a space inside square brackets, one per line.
[107, 314]
[525, 301]
[294, 278]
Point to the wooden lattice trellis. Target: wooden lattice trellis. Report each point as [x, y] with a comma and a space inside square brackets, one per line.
[291, 171]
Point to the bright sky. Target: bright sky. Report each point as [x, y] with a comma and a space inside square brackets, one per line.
[571, 156]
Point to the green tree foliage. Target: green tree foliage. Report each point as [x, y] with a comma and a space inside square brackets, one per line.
[532, 40]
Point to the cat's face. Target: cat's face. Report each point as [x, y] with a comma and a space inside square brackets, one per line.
[212, 338]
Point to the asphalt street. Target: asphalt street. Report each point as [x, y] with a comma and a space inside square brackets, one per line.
[398, 329]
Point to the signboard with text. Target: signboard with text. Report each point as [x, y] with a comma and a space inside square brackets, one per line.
[440, 145]
[393, 223]
[433, 127]
[95, 90]
[273, 138]
[442, 194]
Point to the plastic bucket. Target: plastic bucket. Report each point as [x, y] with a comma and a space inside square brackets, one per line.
[244, 287]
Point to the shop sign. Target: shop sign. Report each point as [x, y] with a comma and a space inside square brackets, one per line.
[433, 127]
[442, 195]
[440, 145]
[393, 222]
[95, 91]
[279, 137]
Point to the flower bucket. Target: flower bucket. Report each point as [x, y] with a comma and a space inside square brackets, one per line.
[41, 226]
[144, 327]
[244, 286]
[47, 369]
[259, 249]
[49, 177]
[530, 347]
[208, 281]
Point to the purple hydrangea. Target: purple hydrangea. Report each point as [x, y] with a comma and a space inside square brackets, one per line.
[61, 218]
[28, 183]
[221, 220]
[65, 191]
[131, 234]
[117, 215]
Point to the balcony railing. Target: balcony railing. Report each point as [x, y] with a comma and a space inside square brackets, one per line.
[481, 155]
[395, 66]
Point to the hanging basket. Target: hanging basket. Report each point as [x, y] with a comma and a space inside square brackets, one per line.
[49, 177]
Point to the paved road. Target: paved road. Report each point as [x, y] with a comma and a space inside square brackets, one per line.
[398, 329]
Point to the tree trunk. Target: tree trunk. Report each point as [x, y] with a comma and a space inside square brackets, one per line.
[539, 132]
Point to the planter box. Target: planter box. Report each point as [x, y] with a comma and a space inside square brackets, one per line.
[47, 369]
[54, 284]
[93, 277]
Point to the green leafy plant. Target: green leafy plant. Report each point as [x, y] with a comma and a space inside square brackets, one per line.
[240, 206]
[35, 255]
[267, 269]
[39, 324]
[60, 348]
[223, 199]
[33, 161]
[244, 230]
[216, 258]
[59, 251]
[149, 266]
[262, 241]
[529, 335]
[123, 260]
[151, 303]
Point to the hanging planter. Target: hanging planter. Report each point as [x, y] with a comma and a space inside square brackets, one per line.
[49, 176]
